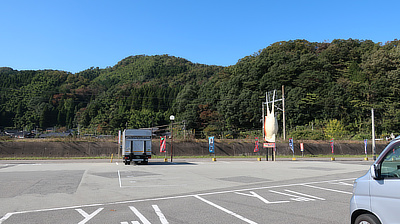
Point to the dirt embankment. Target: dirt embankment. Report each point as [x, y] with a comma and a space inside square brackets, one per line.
[185, 148]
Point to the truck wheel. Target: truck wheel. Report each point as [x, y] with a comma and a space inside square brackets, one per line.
[145, 162]
[367, 219]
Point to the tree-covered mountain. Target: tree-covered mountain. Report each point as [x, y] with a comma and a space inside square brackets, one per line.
[330, 89]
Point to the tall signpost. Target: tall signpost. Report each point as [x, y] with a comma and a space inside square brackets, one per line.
[373, 135]
[172, 118]
[333, 150]
[283, 113]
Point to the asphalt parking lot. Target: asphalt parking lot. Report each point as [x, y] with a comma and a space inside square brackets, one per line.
[186, 191]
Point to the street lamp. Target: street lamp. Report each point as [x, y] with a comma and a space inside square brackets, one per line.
[172, 118]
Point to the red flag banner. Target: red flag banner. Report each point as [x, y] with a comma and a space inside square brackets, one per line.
[163, 145]
[256, 145]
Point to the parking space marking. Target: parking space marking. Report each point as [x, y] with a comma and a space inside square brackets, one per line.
[253, 194]
[327, 189]
[160, 215]
[138, 214]
[342, 183]
[302, 197]
[225, 210]
[309, 184]
[87, 216]
[8, 215]
[119, 178]
[306, 195]
[142, 218]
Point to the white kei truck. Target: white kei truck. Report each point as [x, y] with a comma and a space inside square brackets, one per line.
[136, 146]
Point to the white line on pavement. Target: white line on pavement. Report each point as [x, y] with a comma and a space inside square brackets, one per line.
[225, 210]
[8, 215]
[326, 189]
[119, 178]
[342, 183]
[253, 194]
[160, 215]
[138, 214]
[306, 195]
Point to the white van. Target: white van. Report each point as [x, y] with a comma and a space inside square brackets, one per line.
[376, 195]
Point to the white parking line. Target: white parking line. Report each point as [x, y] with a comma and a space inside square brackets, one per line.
[88, 216]
[8, 215]
[342, 183]
[302, 197]
[327, 189]
[160, 215]
[138, 214]
[119, 178]
[225, 210]
[306, 195]
[253, 194]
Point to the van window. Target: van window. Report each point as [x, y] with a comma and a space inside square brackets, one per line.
[390, 167]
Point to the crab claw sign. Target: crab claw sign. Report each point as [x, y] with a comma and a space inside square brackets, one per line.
[270, 124]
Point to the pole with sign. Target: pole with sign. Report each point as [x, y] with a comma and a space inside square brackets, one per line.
[270, 145]
[211, 147]
[172, 118]
[333, 150]
[119, 142]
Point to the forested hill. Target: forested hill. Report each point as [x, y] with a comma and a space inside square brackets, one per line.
[330, 89]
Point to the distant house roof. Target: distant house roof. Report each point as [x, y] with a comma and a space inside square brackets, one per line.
[55, 134]
[10, 132]
[23, 134]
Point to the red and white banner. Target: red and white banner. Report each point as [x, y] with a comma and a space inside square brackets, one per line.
[163, 145]
[269, 145]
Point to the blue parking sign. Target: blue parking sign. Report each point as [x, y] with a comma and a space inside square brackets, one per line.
[291, 144]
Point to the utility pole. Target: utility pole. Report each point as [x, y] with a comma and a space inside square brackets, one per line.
[262, 117]
[373, 135]
[283, 110]
[172, 118]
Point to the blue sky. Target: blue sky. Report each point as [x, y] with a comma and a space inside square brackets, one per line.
[75, 35]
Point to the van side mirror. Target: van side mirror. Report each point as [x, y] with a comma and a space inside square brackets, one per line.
[376, 171]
